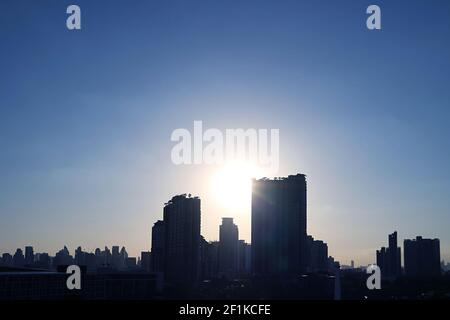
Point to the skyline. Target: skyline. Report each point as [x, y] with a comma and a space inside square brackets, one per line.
[86, 117]
[229, 221]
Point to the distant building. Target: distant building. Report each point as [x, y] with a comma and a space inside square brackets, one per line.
[244, 258]
[7, 260]
[117, 261]
[422, 257]
[29, 255]
[131, 263]
[228, 248]
[182, 240]
[317, 255]
[389, 259]
[158, 246]
[63, 258]
[279, 226]
[146, 261]
[213, 256]
[206, 272]
[18, 258]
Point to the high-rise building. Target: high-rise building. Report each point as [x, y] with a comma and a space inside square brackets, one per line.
[228, 248]
[18, 258]
[279, 226]
[244, 258]
[146, 260]
[80, 257]
[29, 255]
[62, 258]
[7, 260]
[116, 259]
[389, 259]
[158, 246]
[182, 240]
[422, 257]
[205, 260]
[317, 255]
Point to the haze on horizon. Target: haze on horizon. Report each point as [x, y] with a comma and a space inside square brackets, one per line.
[86, 117]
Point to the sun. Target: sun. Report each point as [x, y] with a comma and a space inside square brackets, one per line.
[232, 186]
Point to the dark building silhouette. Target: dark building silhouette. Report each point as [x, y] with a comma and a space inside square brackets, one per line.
[279, 226]
[317, 255]
[182, 240]
[117, 261]
[228, 248]
[146, 261]
[244, 258]
[29, 255]
[131, 263]
[7, 260]
[62, 258]
[18, 258]
[213, 258]
[158, 246]
[206, 264]
[422, 257]
[389, 259]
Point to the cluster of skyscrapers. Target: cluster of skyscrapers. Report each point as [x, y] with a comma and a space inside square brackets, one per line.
[421, 258]
[280, 244]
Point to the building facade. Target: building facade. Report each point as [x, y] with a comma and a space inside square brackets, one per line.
[279, 226]
[182, 240]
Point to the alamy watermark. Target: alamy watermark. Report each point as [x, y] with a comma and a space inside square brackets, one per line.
[215, 147]
[374, 280]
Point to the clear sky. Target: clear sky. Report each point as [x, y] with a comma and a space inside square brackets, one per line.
[86, 116]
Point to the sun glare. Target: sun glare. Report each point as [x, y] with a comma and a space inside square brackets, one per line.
[232, 186]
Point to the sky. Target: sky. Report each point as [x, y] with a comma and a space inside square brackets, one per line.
[86, 115]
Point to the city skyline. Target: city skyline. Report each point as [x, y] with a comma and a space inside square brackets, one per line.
[86, 116]
[385, 259]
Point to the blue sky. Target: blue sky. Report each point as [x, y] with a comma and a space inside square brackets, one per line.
[86, 116]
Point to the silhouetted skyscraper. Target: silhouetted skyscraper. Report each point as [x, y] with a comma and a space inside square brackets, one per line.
[228, 248]
[62, 258]
[29, 255]
[158, 246]
[182, 240]
[422, 257]
[206, 263]
[7, 260]
[317, 255]
[279, 225]
[389, 260]
[146, 260]
[18, 258]
[116, 260]
[244, 258]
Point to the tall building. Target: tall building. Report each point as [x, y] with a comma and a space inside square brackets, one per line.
[182, 240]
[389, 259]
[422, 257]
[244, 258]
[116, 259]
[7, 260]
[18, 258]
[205, 260]
[279, 226]
[62, 258]
[29, 255]
[80, 257]
[146, 260]
[158, 246]
[228, 248]
[317, 255]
